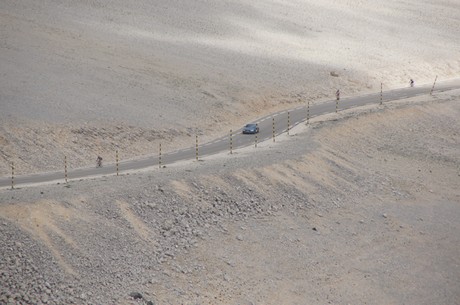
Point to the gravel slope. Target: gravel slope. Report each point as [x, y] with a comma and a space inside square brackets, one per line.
[360, 207]
[84, 78]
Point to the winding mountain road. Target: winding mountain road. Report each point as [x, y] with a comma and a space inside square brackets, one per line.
[239, 140]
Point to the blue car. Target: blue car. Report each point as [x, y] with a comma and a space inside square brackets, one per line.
[251, 128]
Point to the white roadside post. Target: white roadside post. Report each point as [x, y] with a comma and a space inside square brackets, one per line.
[116, 159]
[432, 88]
[231, 142]
[196, 147]
[289, 123]
[12, 175]
[159, 158]
[337, 96]
[65, 168]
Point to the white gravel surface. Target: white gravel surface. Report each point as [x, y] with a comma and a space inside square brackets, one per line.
[357, 208]
[83, 78]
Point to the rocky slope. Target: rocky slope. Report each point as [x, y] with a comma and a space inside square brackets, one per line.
[360, 207]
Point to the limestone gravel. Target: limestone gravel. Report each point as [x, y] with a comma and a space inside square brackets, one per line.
[330, 210]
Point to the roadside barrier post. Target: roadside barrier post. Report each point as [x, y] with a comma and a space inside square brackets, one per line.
[381, 93]
[231, 142]
[12, 175]
[308, 112]
[289, 123]
[273, 119]
[255, 141]
[159, 158]
[337, 95]
[197, 147]
[65, 168]
[116, 159]
[432, 88]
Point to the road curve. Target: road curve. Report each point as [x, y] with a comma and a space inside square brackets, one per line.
[239, 140]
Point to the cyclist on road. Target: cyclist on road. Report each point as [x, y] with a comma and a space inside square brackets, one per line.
[99, 161]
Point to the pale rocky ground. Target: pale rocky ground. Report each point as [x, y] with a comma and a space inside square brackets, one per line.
[85, 78]
[359, 207]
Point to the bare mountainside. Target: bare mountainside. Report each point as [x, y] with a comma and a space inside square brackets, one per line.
[82, 78]
[357, 208]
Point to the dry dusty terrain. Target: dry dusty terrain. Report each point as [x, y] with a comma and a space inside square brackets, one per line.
[84, 78]
[356, 208]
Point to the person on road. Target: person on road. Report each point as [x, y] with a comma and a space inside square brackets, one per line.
[99, 161]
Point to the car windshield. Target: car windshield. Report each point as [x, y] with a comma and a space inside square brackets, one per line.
[250, 125]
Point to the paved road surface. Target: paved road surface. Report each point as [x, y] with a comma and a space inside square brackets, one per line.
[239, 140]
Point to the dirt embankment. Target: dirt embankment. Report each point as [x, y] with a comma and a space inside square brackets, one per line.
[360, 207]
[85, 78]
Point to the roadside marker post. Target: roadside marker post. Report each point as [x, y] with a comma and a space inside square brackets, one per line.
[273, 119]
[12, 175]
[197, 147]
[337, 95]
[255, 141]
[231, 142]
[308, 112]
[65, 168]
[289, 123]
[381, 93]
[159, 158]
[432, 88]
[116, 159]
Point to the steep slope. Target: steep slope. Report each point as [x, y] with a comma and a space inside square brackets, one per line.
[84, 78]
[360, 207]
